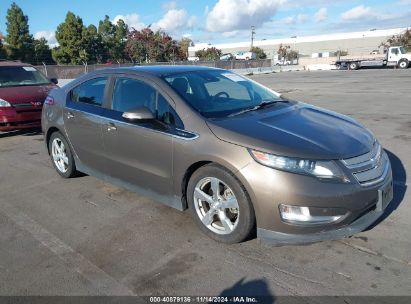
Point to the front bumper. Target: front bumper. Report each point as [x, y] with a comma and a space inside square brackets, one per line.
[359, 225]
[268, 188]
[11, 120]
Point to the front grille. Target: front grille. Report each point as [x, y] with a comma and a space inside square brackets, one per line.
[28, 107]
[23, 105]
[370, 168]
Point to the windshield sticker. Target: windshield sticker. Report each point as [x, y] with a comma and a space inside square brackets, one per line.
[29, 69]
[233, 77]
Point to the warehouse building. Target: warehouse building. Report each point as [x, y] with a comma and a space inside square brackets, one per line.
[355, 43]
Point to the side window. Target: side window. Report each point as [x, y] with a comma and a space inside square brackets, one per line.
[90, 92]
[394, 51]
[166, 114]
[129, 94]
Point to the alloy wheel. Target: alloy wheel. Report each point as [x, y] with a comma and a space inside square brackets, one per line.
[216, 205]
[59, 154]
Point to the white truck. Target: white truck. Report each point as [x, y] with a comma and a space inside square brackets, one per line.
[245, 55]
[395, 56]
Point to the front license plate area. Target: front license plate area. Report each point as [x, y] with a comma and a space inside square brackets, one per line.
[385, 196]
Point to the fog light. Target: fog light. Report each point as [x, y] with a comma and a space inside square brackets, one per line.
[303, 216]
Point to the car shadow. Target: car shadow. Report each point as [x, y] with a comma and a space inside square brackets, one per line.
[257, 289]
[24, 132]
[400, 187]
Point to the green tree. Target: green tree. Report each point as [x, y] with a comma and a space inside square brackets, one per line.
[403, 39]
[341, 53]
[286, 53]
[114, 38]
[292, 55]
[107, 31]
[2, 51]
[121, 33]
[94, 50]
[42, 52]
[149, 46]
[210, 54]
[69, 35]
[183, 46]
[260, 54]
[19, 41]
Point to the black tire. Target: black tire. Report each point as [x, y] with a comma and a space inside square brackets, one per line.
[403, 64]
[246, 218]
[353, 66]
[71, 166]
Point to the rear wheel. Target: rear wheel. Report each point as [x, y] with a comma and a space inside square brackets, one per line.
[403, 64]
[61, 155]
[219, 205]
[353, 66]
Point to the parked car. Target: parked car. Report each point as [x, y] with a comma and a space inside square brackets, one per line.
[245, 56]
[240, 156]
[227, 57]
[23, 90]
[193, 58]
[283, 62]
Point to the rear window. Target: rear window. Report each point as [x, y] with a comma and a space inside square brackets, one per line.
[15, 76]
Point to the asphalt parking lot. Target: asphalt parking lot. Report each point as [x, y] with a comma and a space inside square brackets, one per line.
[84, 237]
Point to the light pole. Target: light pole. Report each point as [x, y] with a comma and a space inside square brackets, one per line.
[252, 35]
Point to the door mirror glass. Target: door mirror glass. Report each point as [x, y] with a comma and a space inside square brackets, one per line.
[142, 113]
[54, 80]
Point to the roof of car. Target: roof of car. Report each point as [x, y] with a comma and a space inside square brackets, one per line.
[13, 63]
[160, 70]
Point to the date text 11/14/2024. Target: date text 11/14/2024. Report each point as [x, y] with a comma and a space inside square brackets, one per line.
[203, 299]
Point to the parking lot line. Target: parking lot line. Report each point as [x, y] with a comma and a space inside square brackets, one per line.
[106, 284]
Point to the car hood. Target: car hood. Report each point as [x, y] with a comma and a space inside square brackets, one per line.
[21, 94]
[296, 130]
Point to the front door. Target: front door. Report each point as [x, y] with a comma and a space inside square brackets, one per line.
[394, 55]
[139, 153]
[82, 122]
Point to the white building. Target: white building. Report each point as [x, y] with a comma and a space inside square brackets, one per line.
[355, 43]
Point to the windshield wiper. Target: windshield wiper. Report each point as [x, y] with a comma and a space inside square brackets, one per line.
[262, 105]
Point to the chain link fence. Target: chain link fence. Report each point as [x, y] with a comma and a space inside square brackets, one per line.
[74, 71]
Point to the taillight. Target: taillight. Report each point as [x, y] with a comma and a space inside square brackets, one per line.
[49, 101]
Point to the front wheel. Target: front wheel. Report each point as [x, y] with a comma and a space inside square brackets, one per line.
[61, 155]
[220, 205]
[403, 64]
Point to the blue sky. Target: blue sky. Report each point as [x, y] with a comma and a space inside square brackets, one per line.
[221, 20]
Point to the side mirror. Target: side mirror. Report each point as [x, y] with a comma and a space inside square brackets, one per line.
[54, 80]
[142, 113]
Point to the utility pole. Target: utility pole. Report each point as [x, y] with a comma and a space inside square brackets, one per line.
[252, 35]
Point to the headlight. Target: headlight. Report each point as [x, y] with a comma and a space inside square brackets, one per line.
[4, 104]
[327, 170]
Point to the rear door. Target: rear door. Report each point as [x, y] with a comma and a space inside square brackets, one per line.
[82, 120]
[140, 153]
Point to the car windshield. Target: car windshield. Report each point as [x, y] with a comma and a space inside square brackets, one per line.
[403, 50]
[216, 93]
[12, 76]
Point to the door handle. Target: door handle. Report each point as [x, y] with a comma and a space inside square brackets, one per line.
[70, 115]
[111, 127]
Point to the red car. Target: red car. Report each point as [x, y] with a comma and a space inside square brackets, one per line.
[23, 90]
